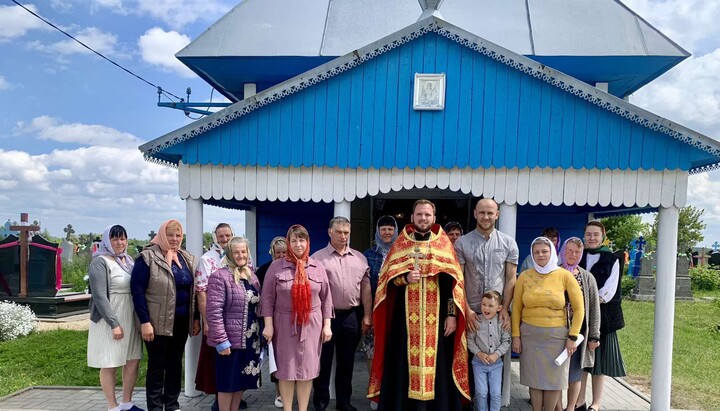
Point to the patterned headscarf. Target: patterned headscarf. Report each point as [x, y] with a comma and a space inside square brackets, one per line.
[380, 246]
[300, 291]
[161, 241]
[552, 263]
[239, 272]
[563, 263]
[123, 259]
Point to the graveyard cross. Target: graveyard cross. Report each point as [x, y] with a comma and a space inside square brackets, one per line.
[69, 230]
[715, 247]
[24, 232]
[640, 243]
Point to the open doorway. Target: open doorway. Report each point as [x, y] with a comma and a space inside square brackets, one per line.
[457, 210]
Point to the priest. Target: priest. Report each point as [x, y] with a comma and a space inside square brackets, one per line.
[420, 360]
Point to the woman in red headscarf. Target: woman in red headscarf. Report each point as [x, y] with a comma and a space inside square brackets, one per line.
[296, 306]
[164, 298]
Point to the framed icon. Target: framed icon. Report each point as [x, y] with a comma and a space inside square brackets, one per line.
[429, 92]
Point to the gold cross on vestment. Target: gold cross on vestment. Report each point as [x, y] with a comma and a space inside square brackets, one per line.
[417, 256]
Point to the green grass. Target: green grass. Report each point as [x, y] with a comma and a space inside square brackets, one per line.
[703, 293]
[49, 358]
[696, 358]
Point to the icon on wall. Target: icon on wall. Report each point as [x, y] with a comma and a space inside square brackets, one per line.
[429, 92]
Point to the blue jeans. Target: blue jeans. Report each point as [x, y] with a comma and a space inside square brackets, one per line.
[487, 376]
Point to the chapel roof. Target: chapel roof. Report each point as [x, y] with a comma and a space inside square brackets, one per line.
[269, 41]
[201, 135]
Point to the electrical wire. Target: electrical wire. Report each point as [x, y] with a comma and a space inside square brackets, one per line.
[212, 91]
[158, 88]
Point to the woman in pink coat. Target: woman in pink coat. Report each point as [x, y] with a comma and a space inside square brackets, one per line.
[296, 306]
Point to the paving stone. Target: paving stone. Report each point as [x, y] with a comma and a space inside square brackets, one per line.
[616, 396]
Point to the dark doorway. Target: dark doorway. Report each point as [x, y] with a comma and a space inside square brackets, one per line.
[448, 210]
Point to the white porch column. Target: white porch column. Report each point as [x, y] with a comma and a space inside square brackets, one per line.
[194, 245]
[251, 231]
[342, 209]
[591, 217]
[664, 307]
[507, 223]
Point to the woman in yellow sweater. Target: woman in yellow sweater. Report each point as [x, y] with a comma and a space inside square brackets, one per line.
[540, 324]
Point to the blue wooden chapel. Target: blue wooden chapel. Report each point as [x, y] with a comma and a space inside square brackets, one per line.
[535, 115]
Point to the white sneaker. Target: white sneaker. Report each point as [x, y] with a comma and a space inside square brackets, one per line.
[373, 405]
[278, 402]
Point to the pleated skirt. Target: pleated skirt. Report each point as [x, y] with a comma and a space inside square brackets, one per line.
[608, 358]
[540, 347]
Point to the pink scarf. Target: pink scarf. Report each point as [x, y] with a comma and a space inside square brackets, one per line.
[161, 241]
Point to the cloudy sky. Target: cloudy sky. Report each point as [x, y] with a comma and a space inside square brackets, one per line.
[71, 122]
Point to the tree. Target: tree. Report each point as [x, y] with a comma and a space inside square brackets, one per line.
[690, 227]
[621, 230]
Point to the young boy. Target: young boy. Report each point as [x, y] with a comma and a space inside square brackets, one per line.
[488, 344]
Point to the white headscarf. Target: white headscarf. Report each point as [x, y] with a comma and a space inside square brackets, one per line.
[552, 263]
[123, 259]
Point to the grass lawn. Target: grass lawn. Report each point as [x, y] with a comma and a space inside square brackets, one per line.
[49, 358]
[696, 357]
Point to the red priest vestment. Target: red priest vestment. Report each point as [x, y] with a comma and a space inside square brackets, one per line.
[422, 303]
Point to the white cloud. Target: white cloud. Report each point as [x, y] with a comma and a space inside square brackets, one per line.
[703, 193]
[4, 85]
[50, 128]
[102, 42]
[688, 94]
[175, 13]
[158, 48]
[16, 22]
[178, 13]
[90, 187]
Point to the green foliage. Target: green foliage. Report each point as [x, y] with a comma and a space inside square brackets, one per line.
[690, 228]
[74, 271]
[57, 358]
[135, 246]
[627, 285]
[207, 240]
[623, 229]
[705, 279]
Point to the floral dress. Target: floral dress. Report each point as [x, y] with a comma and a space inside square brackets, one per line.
[241, 369]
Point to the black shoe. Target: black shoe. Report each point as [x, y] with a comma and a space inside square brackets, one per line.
[215, 406]
[320, 408]
[243, 405]
[582, 407]
[345, 407]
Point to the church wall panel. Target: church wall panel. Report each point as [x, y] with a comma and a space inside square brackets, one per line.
[495, 116]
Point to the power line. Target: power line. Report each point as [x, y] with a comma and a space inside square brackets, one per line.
[160, 89]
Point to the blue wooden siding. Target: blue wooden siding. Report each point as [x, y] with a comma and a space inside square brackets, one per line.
[495, 116]
[531, 221]
[274, 219]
